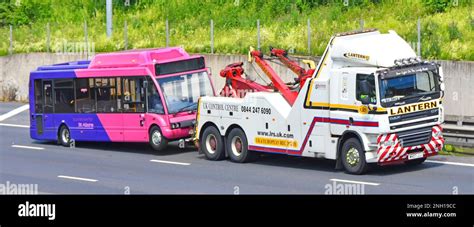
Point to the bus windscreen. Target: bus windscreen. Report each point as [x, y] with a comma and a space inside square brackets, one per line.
[179, 66]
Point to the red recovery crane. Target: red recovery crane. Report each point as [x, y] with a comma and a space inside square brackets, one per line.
[238, 86]
[278, 83]
[302, 74]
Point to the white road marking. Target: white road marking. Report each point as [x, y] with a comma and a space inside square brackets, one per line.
[355, 182]
[77, 178]
[13, 125]
[14, 112]
[169, 162]
[28, 147]
[451, 163]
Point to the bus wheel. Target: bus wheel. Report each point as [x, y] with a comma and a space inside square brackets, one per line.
[157, 141]
[237, 146]
[64, 137]
[353, 157]
[212, 144]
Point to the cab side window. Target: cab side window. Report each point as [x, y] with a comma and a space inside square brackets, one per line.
[369, 82]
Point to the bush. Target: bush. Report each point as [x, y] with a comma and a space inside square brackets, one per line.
[453, 31]
[436, 6]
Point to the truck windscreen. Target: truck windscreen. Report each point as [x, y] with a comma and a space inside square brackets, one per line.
[409, 88]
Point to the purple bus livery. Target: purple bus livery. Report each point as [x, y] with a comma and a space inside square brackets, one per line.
[131, 96]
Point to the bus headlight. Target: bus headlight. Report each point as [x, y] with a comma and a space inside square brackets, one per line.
[175, 125]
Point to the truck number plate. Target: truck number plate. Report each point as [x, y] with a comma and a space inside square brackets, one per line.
[415, 155]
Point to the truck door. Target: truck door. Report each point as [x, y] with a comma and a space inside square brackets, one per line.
[343, 104]
[316, 119]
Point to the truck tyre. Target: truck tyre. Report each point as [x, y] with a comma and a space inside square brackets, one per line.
[353, 157]
[157, 141]
[212, 144]
[415, 162]
[237, 146]
[64, 136]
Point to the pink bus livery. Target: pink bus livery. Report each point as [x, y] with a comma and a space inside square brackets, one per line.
[132, 96]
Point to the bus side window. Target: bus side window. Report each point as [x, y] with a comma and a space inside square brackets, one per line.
[48, 96]
[105, 93]
[133, 94]
[38, 96]
[64, 96]
[155, 105]
[85, 103]
[119, 94]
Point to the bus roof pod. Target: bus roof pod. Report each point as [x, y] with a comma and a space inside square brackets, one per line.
[135, 58]
[369, 48]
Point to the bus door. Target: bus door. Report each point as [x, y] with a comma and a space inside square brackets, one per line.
[37, 116]
[135, 127]
[47, 124]
[44, 101]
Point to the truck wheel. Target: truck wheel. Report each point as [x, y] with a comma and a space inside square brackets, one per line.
[157, 141]
[212, 144]
[353, 157]
[64, 137]
[237, 146]
[415, 161]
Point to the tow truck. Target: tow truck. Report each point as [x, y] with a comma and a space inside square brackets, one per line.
[371, 100]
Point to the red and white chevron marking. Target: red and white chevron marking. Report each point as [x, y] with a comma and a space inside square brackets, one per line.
[396, 152]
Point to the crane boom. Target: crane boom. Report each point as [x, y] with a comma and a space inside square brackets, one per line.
[278, 83]
[302, 74]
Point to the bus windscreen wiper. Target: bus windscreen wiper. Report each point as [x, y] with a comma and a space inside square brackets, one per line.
[187, 107]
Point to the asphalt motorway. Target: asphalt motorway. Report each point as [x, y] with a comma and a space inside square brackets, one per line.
[131, 168]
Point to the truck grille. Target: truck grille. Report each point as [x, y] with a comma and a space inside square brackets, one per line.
[414, 123]
[415, 137]
[412, 116]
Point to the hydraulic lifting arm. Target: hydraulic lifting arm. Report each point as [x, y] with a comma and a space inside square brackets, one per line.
[235, 84]
[278, 83]
[302, 74]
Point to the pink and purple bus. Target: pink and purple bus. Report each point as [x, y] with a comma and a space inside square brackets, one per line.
[132, 96]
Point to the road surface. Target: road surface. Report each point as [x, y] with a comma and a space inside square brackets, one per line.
[119, 168]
